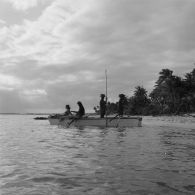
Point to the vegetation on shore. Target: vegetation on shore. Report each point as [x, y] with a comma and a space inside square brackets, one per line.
[171, 95]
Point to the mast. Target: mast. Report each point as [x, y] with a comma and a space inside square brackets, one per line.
[106, 96]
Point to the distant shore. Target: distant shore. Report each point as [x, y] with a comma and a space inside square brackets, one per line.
[155, 116]
[25, 113]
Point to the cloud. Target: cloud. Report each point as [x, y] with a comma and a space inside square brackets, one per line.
[23, 4]
[114, 31]
[7, 81]
[64, 52]
[2, 22]
[22, 102]
[50, 39]
[35, 92]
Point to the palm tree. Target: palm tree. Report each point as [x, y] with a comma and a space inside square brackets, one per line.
[139, 101]
[168, 91]
[164, 74]
[189, 87]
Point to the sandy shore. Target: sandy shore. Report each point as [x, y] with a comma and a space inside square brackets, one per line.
[173, 121]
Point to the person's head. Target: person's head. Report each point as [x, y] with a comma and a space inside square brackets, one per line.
[79, 103]
[121, 96]
[102, 96]
[67, 107]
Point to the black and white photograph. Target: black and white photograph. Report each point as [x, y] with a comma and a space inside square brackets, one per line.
[97, 97]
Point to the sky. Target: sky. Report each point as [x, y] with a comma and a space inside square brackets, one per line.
[55, 52]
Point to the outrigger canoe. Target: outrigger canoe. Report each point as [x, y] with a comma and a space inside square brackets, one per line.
[98, 122]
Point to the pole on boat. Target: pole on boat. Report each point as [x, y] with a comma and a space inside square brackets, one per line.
[106, 96]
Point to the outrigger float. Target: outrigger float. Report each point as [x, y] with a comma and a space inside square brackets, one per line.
[94, 121]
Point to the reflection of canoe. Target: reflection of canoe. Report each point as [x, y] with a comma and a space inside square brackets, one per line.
[99, 122]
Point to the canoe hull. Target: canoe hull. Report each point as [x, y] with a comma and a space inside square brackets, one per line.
[98, 122]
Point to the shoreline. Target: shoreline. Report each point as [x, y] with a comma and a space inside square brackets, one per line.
[171, 121]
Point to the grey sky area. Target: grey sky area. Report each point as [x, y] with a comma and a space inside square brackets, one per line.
[55, 52]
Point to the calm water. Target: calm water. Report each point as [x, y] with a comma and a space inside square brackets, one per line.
[39, 159]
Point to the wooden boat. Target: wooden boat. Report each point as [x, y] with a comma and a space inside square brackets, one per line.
[98, 122]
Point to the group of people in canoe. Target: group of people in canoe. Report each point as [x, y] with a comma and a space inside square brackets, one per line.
[80, 113]
[103, 101]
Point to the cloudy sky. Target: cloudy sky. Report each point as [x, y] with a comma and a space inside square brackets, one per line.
[55, 52]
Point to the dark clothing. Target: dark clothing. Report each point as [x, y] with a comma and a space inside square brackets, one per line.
[102, 108]
[81, 111]
[67, 113]
[121, 104]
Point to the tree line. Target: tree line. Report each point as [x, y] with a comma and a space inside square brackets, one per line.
[171, 95]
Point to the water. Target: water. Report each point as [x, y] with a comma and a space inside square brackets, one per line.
[39, 159]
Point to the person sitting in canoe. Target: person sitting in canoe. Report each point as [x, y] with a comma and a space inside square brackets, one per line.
[67, 112]
[81, 112]
[121, 104]
[102, 106]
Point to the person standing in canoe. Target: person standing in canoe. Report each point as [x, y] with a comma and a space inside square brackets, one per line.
[81, 111]
[102, 106]
[121, 104]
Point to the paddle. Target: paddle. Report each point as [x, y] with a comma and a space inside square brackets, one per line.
[118, 121]
[113, 118]
[68, 124]
[76, 118]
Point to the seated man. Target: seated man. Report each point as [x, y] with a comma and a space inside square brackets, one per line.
[81, 111]
[67, 112]
[79, 114]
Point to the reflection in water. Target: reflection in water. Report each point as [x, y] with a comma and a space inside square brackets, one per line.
[37, 158]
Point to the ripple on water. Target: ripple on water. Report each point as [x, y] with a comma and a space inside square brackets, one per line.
[37, 158]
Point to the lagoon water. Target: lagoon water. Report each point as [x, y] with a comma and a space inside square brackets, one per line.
[39, 159]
